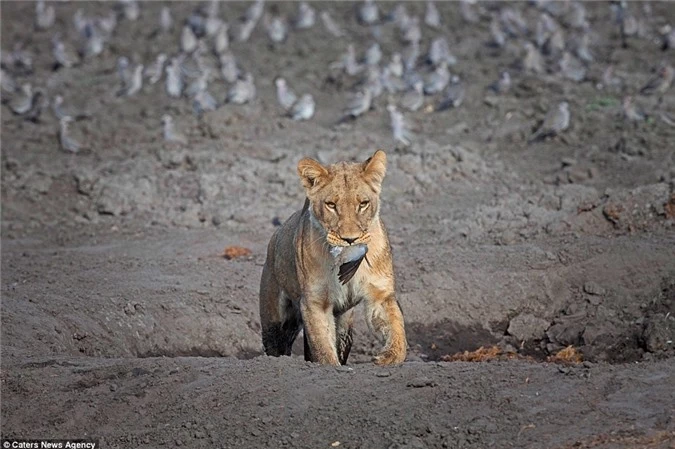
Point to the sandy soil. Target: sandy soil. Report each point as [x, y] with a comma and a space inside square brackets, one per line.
[122, 320]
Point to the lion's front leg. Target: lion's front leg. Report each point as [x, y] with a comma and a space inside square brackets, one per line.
[385, 319]
[319, 326]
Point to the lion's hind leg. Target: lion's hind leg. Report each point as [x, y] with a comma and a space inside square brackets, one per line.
[280, 321]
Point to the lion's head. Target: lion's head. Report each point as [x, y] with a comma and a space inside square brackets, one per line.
[344, 197]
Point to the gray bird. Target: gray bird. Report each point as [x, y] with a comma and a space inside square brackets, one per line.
[555, 122]
[44, 15]
[62, 56]
[228, 67]
[467, 12]
[412, 32]
[533, 61]
[22, 102]
[188, 40]
[198, 85]
[368, 13]
[348, 62]
[581, 49]
[202, 102]
[348, 259]
[438, 79]
[453, 95]
[413, 99]
[306, 16]
[667, 37]
[285, 95]
[398, 126]
[544, 28]
[222, 41]
[276, 28]
[439, 50]
[131, 9]
[123, 72]
[399, 16]
[39, 101]
[68, 143]
[174, 79]
[358, 103]
[373, 54]
[411, 54]
[571, 68]
[108, 23]
[330, 24]
[373, 81]
[432, 17]
[555, 44]
[242, 91]
[170, 133]
[255, 11]
[513, 22]
[155, 71]
[391, 83]
[165, 19]
[60, 112]
[630, 111]
[94, 43]
[395, 66]
[245, 30]
[503, 84]
[577, 16]
[497, 36]
[211, 25]
[8, 83]
[135, 83]
[660, 83]
[303, 109]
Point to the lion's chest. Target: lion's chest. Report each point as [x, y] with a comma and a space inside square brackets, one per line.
[344, 297]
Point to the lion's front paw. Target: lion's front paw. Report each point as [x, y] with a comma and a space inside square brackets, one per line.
[390, 357]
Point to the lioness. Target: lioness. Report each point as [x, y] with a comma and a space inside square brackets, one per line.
[300, 286]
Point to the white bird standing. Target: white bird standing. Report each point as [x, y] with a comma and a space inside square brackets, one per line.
[44, 15]
[285, 95]
[169, 131]
[373, 54]
[303, 109]
[368, 12]
[242, 91]
[165, 19]
[23, 101]
[155, 71]
[174, 79]
[222, 41]
[439, 50]
[358, 103]
[413, 99]
[555, 122]
[330, 24]
[438, 79]
[67, 142]
[276, 28]
[228, 67]
[398, 126]
[188, 40]
[135, 83]
[306, 16]
[432, 17]
[63, 57]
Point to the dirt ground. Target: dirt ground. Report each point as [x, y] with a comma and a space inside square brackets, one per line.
[122, 321]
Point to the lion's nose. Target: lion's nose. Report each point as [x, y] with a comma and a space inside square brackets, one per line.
[350, 241]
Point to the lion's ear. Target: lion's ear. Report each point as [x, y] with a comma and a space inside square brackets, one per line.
[311, 172]
[375, 168]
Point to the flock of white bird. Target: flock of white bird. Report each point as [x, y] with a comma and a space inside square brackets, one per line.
[409, 77]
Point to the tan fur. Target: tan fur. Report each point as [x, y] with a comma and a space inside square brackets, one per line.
[299, 285]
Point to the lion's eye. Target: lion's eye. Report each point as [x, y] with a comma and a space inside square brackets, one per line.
[330, 205]
[364, 204]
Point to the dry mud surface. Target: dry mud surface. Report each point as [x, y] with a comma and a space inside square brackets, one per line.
[121, 320]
